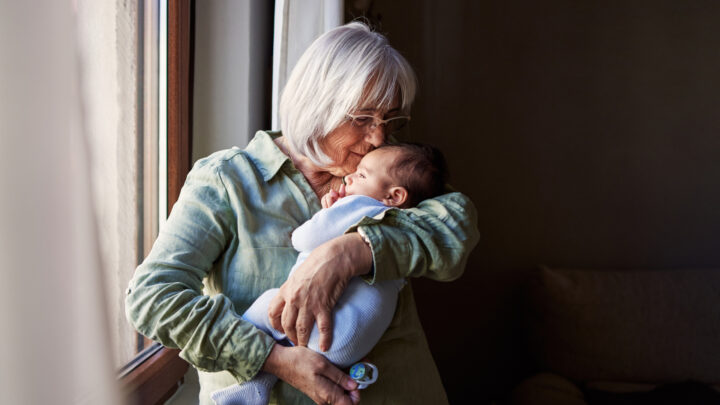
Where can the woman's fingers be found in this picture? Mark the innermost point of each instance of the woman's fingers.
(275, 311)
(312, 374)
(303, 326)
(314, 287)
(289, 319)
(354, 396)
(305, 323)
(325, 327)
(342, 388)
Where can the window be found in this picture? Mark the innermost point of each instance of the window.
(138, 52)
(119, 43)
(154, 374)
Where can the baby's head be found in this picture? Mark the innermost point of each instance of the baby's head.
(399, 175)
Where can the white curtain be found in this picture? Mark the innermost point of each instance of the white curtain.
(54, 340)
(297, 24)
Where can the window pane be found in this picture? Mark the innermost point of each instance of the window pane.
(122, 140)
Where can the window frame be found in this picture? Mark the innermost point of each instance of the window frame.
(157, 372)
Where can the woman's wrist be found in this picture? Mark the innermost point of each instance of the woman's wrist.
(366, 241)
(357, 253)
(274, 361)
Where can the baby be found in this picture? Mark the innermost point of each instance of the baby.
(392, 176)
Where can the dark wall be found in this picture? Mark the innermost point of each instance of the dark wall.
(586, 133)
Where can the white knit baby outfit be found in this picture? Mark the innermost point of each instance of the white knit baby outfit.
(360, 317)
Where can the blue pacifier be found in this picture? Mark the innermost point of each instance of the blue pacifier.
(364, 374)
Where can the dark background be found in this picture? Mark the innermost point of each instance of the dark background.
(587, 133)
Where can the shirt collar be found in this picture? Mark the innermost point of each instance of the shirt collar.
(268, 158)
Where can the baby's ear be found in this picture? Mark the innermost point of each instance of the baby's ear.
(396, 197)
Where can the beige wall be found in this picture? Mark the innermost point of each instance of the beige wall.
(233, 48)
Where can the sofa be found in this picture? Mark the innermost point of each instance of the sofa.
(622, 337)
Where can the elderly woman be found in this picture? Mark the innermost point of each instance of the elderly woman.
(231, 230)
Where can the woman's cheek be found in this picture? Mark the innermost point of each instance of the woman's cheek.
(352, 163)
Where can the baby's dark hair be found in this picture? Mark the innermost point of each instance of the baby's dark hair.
(421, 169)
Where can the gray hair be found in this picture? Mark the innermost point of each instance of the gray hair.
(347, 67)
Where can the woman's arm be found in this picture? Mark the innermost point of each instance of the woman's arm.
(165, 300)
(432, 240)
(311, 291)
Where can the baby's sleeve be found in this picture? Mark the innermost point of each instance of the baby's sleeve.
(329, 223)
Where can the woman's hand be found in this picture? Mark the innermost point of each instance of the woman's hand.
(310, 293)
(312, 374)
(331, 197)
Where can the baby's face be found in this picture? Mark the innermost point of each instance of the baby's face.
(372, 177)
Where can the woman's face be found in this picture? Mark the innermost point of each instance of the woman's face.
(347, 144)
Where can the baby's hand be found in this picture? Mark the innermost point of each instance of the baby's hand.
(330, 198)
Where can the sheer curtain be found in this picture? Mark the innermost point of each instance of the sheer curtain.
(54, 340)
(297, 24)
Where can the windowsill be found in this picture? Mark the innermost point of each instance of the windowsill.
(156, 379)
(188, 393)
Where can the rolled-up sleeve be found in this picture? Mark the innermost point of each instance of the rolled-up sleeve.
(431, 240)
(165, 300)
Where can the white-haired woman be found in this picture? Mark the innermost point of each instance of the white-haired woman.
(231, 230)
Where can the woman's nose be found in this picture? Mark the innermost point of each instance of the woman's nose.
(376, 135)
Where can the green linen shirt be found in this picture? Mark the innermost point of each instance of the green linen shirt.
(227, 240)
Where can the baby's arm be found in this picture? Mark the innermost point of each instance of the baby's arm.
(329, 223)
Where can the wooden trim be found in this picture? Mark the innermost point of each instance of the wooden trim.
(179, 83)
(157, 378)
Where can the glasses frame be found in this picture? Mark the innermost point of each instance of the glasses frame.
(376, 121)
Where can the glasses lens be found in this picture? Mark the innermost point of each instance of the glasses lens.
(362, 120)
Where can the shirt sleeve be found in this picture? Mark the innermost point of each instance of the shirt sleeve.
(165, 300)
(432, 240)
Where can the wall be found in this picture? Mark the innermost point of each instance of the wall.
(233, 43)
(586, 133)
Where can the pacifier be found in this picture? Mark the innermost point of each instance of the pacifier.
(364, 374)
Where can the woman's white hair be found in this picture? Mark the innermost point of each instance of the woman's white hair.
(346, 68)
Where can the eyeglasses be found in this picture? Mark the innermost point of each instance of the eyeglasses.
(368, 122)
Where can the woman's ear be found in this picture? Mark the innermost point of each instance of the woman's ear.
(396, 197)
